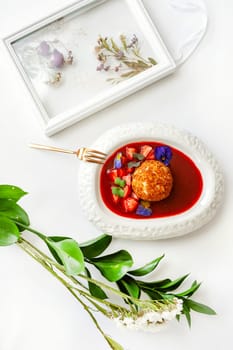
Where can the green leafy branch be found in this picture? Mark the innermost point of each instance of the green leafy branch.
(68, 263)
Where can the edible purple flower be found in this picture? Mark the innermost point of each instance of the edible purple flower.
(163, 154)
(141, 210)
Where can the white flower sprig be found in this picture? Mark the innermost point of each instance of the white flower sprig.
(151, 318)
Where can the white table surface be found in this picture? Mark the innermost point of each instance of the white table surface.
(38, 313)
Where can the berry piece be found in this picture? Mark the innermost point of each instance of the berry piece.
(127, 191)
(130, 152)
(112, 174)
(151, 155)
(115, 198)
(121, 172)
(123, 160)
(145, 150)
(133, 195)
(129, 204)
(128, 179)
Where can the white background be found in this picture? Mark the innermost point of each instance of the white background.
(37, 312)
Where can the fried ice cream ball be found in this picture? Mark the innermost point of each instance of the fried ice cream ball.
(152, 181)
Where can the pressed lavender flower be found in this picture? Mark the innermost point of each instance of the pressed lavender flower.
(119, 55)
(133, 42)
(100, 67)
(110, 52)
(163, 154)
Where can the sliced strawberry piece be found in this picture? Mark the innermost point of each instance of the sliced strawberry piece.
(130, 152)
(115, 199)
(129, 170)
(129, 204)
(112, 174)
(145, 150)
(120, 172)
(127, 179)
(127, 191)
(151, 155)
(133, 195)
(123, 160)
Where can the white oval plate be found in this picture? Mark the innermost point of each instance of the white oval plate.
(155, 228)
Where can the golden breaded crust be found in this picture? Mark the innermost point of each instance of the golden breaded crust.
(152, 181)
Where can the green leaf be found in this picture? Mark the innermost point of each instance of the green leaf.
(13, 211)
(113, 266)
(155, 284)
(144, 270)
(119, 182)
(189, 292)
(9, 232)
(138, 156)
(204, 309)
(117, 191)
(95, 290)
(11, 192)
(68, 251)
(173, 284)
(129, 286)
(54, 254)
(113, 344)
(133, 164)
(152, 60)
(96, 246)
(186, 312)
(153, 294)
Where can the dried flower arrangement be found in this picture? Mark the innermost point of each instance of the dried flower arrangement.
(124, 58)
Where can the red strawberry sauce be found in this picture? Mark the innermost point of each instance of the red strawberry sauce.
(187, 184)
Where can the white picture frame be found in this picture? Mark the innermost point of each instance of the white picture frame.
(54, 119)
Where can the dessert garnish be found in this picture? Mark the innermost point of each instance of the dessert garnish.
(149, 180)
(138, 178)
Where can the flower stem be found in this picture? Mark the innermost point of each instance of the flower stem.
(41, 257)
(30, 249)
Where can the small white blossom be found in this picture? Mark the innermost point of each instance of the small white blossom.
(151, 320)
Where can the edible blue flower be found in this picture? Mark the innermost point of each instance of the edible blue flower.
(163, 154)
(143, 211)
(117, 161)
